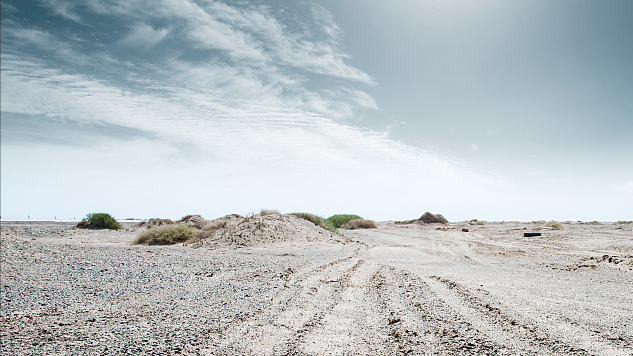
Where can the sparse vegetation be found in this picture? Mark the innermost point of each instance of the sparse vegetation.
(209, 228)
(99, 221)
(405, 222)
(268, 211)
(165, 235)
(338, 220)
(359, 224)
(316, 220)
(476, 222)
(554, 224)
(624, 222)
(154, 222)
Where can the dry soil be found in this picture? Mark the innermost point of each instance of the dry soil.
(400, 289)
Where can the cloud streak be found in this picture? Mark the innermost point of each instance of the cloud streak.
(225, 88)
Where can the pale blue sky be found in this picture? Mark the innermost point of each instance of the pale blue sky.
(496, 110)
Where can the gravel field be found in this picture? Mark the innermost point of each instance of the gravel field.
(399, 289)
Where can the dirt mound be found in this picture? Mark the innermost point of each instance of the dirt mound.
(196, 221)
(428, 218)
(261, 229)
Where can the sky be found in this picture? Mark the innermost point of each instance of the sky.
(494, 110)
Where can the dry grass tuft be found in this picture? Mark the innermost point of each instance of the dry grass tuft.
(209, 229)
(165, 235)
(359, 224)
(155, 222)
(554, 224)
(316, 220)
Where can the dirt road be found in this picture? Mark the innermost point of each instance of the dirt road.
(396, 290)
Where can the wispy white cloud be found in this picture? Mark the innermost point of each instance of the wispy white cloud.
(278, 129)
(144, 36)
(247, 33)
(251, 108)
(63, 8)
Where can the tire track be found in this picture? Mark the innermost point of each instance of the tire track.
(520, 334)
(297, 309)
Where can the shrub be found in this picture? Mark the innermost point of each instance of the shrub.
(359, 224)
(268, 212)
(406, 222)
(429, 218)
(316, 220)
(476, 222)
(554, 224)
(340, 219)
(164, 235)
(99, 221)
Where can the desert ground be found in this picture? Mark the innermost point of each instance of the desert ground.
(415, 289)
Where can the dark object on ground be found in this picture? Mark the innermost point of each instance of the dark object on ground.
(464, 229)
(429, 218)
(530, 234)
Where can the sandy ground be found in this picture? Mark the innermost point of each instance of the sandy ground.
(400, 289)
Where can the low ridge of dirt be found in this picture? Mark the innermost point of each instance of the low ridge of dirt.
(263, 229)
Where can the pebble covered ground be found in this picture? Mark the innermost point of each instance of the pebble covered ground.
(397, 290)
(78, 292)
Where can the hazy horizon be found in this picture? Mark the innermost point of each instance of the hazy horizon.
(495, 110)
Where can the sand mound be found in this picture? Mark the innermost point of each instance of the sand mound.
(261, 229)
(196, 221)
(428, 218)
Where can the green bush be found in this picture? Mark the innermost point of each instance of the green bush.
(165, 235)
(340, 219)
(316, 220)
(99, 221)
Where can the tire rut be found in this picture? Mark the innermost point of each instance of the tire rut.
(297, 309)
(525, 335)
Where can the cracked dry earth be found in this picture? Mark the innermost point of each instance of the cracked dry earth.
(396, 290)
